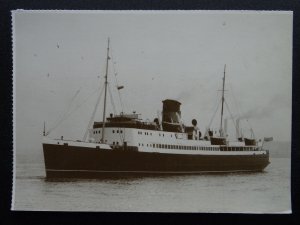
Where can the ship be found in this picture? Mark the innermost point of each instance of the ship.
(124, 145)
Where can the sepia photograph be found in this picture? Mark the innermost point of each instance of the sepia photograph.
(152, 111)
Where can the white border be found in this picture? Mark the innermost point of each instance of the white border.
(155, 11)
(14, 108)
(165, 12)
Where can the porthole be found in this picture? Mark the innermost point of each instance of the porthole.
(113, 131)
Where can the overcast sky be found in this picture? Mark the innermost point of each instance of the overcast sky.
(60, 56)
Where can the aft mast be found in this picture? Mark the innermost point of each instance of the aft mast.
(223, 99)
(105, 92)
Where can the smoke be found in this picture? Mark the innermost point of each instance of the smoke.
(188, 94)
(276, 103)
(184, 96)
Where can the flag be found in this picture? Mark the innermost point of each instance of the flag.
(266, 139)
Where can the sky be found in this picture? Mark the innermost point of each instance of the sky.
(59, 68)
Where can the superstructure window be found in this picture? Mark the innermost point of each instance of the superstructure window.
(113, 131)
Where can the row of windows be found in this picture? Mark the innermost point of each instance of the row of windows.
(239, 149)
(98, 131)
(165, 146)
(139, 132)
(117, 131)
(149, 133)
(146, 133)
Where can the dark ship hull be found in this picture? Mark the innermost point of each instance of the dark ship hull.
(63, 161)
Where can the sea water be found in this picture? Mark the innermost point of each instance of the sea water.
(261, 192)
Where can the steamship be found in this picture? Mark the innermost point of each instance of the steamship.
(124, 144)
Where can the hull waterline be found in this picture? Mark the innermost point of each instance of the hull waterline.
(79, 162)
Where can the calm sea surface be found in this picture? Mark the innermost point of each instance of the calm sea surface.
(267, 191)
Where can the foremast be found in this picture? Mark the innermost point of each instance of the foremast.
(223, 99)
(105, 93)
